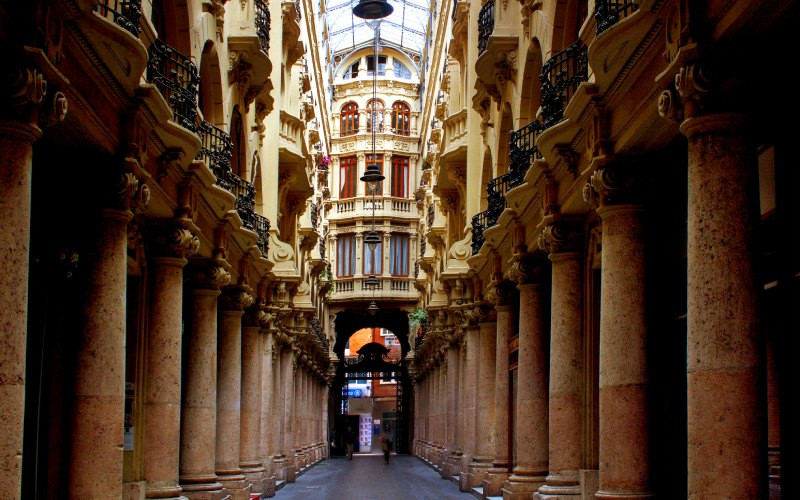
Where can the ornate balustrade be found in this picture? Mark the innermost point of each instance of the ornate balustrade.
(125, 13)
(262, 230)
(522, 148)
(298, 15)
(497, 189)
(479, 224)
(609, 12)
(323, 247)
(560, 77)
(431, 215)
(314, 216)
(262, 23)
(176, 77)
(216, 149)
(485, 25)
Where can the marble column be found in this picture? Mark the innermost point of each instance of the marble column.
(16, 163)
(498, 474)
(251, 459)
(288, 405)
(484, 389)
(278, 397)
(624, 437)
(162, 385)
(95, 467)
(531, 430)
(453, 374)
(566, 375)
(267, 429)
(726, 374)
(472, 346)
(199, 411)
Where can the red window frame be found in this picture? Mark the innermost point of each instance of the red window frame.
(375, 113)
(345, 255)
(377, 264)
(349, 119)
(400, 171)
(379, 185)
(348, 170)
(401, 118)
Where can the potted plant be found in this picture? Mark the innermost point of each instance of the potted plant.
(416, 317)
(324, 162)
(426, 165)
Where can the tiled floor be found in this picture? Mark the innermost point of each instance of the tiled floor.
(366, 477)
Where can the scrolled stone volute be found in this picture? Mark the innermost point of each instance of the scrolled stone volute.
(213, 277)
(501, 292)
(560, 236)
(527, 269)
(175, 240)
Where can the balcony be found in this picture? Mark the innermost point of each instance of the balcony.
(609, 12)
(125, 13)
(262, 24)
(479, 224)
(560, 77)
(388, 288)
(385, 207)
(522, 149)
(175, 76)
(485, 25)
(215, 152)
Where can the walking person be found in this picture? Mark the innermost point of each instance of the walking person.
(386, 444)
(349, 438)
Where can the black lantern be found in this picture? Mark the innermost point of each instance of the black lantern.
(373, 308)
(372, 173)
(372, 238)
(371, 282)
(372, 9)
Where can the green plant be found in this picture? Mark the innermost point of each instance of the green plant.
(426, 165)
(416, 317)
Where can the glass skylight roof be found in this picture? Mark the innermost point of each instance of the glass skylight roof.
(405, 27)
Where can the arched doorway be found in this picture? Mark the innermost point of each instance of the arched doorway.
(371, 390)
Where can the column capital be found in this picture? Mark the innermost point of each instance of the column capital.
(125, 191)
(236, 299)
(612, 184)
(174, 240)
(559, 236)
(501, 292)
(527, 269)
(212, 276)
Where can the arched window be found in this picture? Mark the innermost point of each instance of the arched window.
(349, 119)
(375, 115)
(401, 118)
(400, 70)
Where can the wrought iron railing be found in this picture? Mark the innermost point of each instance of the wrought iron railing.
(431, 215)
(560, 77)
(423, 245)
(314, 216)
(607, 13)
(175, 76)
(125, 13)
(496, 199)
(323, 242)
(479, 224)
(455, 10)
(297, 13)
(416, 269)
(485, 25)
(262, 230)
(262, 23)
(216, 149)
(522, 148)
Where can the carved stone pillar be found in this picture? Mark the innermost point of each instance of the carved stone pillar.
(531, 429)
(288, 404)
(566, 362)
(162, 398)
(97, 424)
(251, 459)
(726, 389)
(472, 350)
(484, 421)
(269, 431)
(199, 411)
(501, 293)
(624, 437)
(17, 135)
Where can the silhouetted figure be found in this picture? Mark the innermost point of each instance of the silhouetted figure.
(386, 444)
(349, 439)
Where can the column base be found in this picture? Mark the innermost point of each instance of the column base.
(623, 495)
(235, 485)
(523, 483)
(162, 491)
(476, 473)
(560, 487)
(255, 476)
(202, 488)
(494, 481)
(279, 470)
(291, 468)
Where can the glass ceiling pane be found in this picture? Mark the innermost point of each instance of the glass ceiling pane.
(406, 26)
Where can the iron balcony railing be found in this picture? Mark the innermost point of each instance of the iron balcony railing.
(262, 230)
(522, 148)
(431, 215)
(262, 24)
(125, 13)
(314, 216)
(609, 12)
(479, 224)
(297, 13)
(216, 149)
(423, 246)
(322, 247)
(560, 77)
(175, 76)
(496, 199)
(485, 25)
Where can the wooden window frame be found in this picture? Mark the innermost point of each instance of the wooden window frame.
(401, 169)
(401, 118)
(348, 119)
(348, 169)
(351, 238)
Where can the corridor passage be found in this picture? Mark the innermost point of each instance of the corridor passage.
(366, 477)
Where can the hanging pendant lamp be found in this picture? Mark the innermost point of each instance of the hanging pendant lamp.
(372, 238)
(372, 9)
(372, 173)
(371, 282)
(373, 308)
